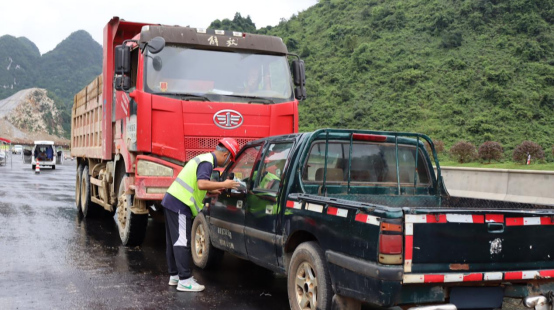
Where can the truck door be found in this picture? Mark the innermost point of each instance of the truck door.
(227, 213)
(263, 210)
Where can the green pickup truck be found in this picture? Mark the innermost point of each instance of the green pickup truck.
(354, 217)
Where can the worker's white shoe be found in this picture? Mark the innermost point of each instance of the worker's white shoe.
(173, 280)
(189, 285)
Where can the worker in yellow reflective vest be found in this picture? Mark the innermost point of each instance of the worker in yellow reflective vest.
(183, 201)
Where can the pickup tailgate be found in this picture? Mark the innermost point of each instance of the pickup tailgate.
(475, 245)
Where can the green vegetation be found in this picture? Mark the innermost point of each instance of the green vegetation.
(500, 165)
(237, 24)
(474, 70)
(63, 71)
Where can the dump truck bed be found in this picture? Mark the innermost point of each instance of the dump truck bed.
(86, 118)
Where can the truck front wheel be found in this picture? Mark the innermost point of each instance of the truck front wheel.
(308, 280)
(204, 254)
(131, 226)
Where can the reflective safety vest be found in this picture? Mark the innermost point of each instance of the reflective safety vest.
(266, 179)
(185, 186)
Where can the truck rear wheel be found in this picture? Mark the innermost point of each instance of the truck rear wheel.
(87, 206)
(132, 227)
(204, 254)
(78, 187)
(308, 280)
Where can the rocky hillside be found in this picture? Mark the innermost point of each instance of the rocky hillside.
(62, 72)
(31, 115)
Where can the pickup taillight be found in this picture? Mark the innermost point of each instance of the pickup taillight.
(391, 242)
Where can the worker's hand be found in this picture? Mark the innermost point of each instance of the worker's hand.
(215, 191)
(230, 184)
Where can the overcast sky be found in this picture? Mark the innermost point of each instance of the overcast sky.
(48, 22)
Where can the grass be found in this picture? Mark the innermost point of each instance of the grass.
(499, 165)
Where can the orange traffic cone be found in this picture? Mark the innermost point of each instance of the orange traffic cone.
(37, 168)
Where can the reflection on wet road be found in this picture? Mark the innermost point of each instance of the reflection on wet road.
(50, 258)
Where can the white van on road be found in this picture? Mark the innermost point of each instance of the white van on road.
(45, 153)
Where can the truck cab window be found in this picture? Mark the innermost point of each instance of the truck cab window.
(134, 68)
(218, 75)
(272, 167)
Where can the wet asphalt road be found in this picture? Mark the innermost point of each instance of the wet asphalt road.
(51, 258)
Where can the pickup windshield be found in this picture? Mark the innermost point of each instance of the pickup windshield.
(219, 75)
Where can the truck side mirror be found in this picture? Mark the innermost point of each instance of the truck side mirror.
(156, 45)
(122, 82)
(122, 60)
(299, 79)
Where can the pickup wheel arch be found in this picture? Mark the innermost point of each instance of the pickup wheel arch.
(293, 241)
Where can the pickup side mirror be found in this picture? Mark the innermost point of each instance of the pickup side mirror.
(299, 79)
(215, 175)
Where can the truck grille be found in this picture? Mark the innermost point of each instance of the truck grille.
(197, 146)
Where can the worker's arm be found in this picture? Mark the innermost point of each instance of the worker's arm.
(207, 185)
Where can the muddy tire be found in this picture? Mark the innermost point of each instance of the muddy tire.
(78, 187)
(88, 208)
(131, 227)
(308, 280)
(204, 254)
(54, 167)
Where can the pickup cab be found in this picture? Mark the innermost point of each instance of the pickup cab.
(354, 217)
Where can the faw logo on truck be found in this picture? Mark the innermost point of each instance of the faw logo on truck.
(228, 119)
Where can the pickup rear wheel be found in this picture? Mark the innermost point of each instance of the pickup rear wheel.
(78, 187)
(131, 226)
(204, 254)
(308, 280)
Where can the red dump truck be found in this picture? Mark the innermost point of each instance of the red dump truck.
(165, 95)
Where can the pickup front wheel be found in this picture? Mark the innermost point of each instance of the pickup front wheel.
(204, 254)
(308, 280)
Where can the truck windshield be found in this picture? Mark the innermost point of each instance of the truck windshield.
(218, 75)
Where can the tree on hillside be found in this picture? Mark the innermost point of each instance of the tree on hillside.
(238, 23)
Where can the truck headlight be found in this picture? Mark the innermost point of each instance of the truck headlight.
(148, 168)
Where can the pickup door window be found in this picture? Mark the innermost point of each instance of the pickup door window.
(263, 205)
(227, 213)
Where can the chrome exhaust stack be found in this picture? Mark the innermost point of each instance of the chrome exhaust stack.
(538, 302)
(436, 307)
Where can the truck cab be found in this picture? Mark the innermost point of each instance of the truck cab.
(44, 153)
(166, 95)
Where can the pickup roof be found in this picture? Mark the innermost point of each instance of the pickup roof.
(357, 216)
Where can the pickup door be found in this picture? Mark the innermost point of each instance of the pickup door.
(263, 203)
(227, 213)
(507, 243)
